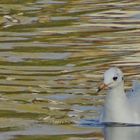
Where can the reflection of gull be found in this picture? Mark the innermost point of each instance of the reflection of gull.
(122, 133)
(119, 107)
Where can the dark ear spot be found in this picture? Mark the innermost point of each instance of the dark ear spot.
(122, 78)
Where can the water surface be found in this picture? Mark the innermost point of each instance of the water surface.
(52, 57)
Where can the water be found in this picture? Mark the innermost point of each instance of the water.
(52, 57)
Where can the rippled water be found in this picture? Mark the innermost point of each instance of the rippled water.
(52, 57)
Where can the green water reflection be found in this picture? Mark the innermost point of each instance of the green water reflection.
(52, 57)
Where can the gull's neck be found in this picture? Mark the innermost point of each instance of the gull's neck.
(116, 105)
(117, 91)
(116, 97)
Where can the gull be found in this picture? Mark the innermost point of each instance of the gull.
(120, 107)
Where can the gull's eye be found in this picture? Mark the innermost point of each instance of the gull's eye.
(115, 78)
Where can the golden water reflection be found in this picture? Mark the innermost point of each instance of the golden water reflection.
(53, 55)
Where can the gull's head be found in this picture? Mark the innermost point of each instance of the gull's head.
(113, 77)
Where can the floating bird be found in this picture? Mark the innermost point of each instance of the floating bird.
(120, 107)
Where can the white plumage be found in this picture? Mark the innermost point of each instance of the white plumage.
(120, 107)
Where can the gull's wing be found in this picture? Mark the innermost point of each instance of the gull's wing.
(135, 91)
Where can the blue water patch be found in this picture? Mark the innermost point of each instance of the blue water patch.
(84, 108)
(61, 96)
(91, 123)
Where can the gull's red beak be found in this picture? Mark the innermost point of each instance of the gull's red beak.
(101, 87)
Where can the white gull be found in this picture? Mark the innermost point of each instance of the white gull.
(120, 107)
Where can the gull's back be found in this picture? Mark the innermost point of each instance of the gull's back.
(134, 98)
(135, 91)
